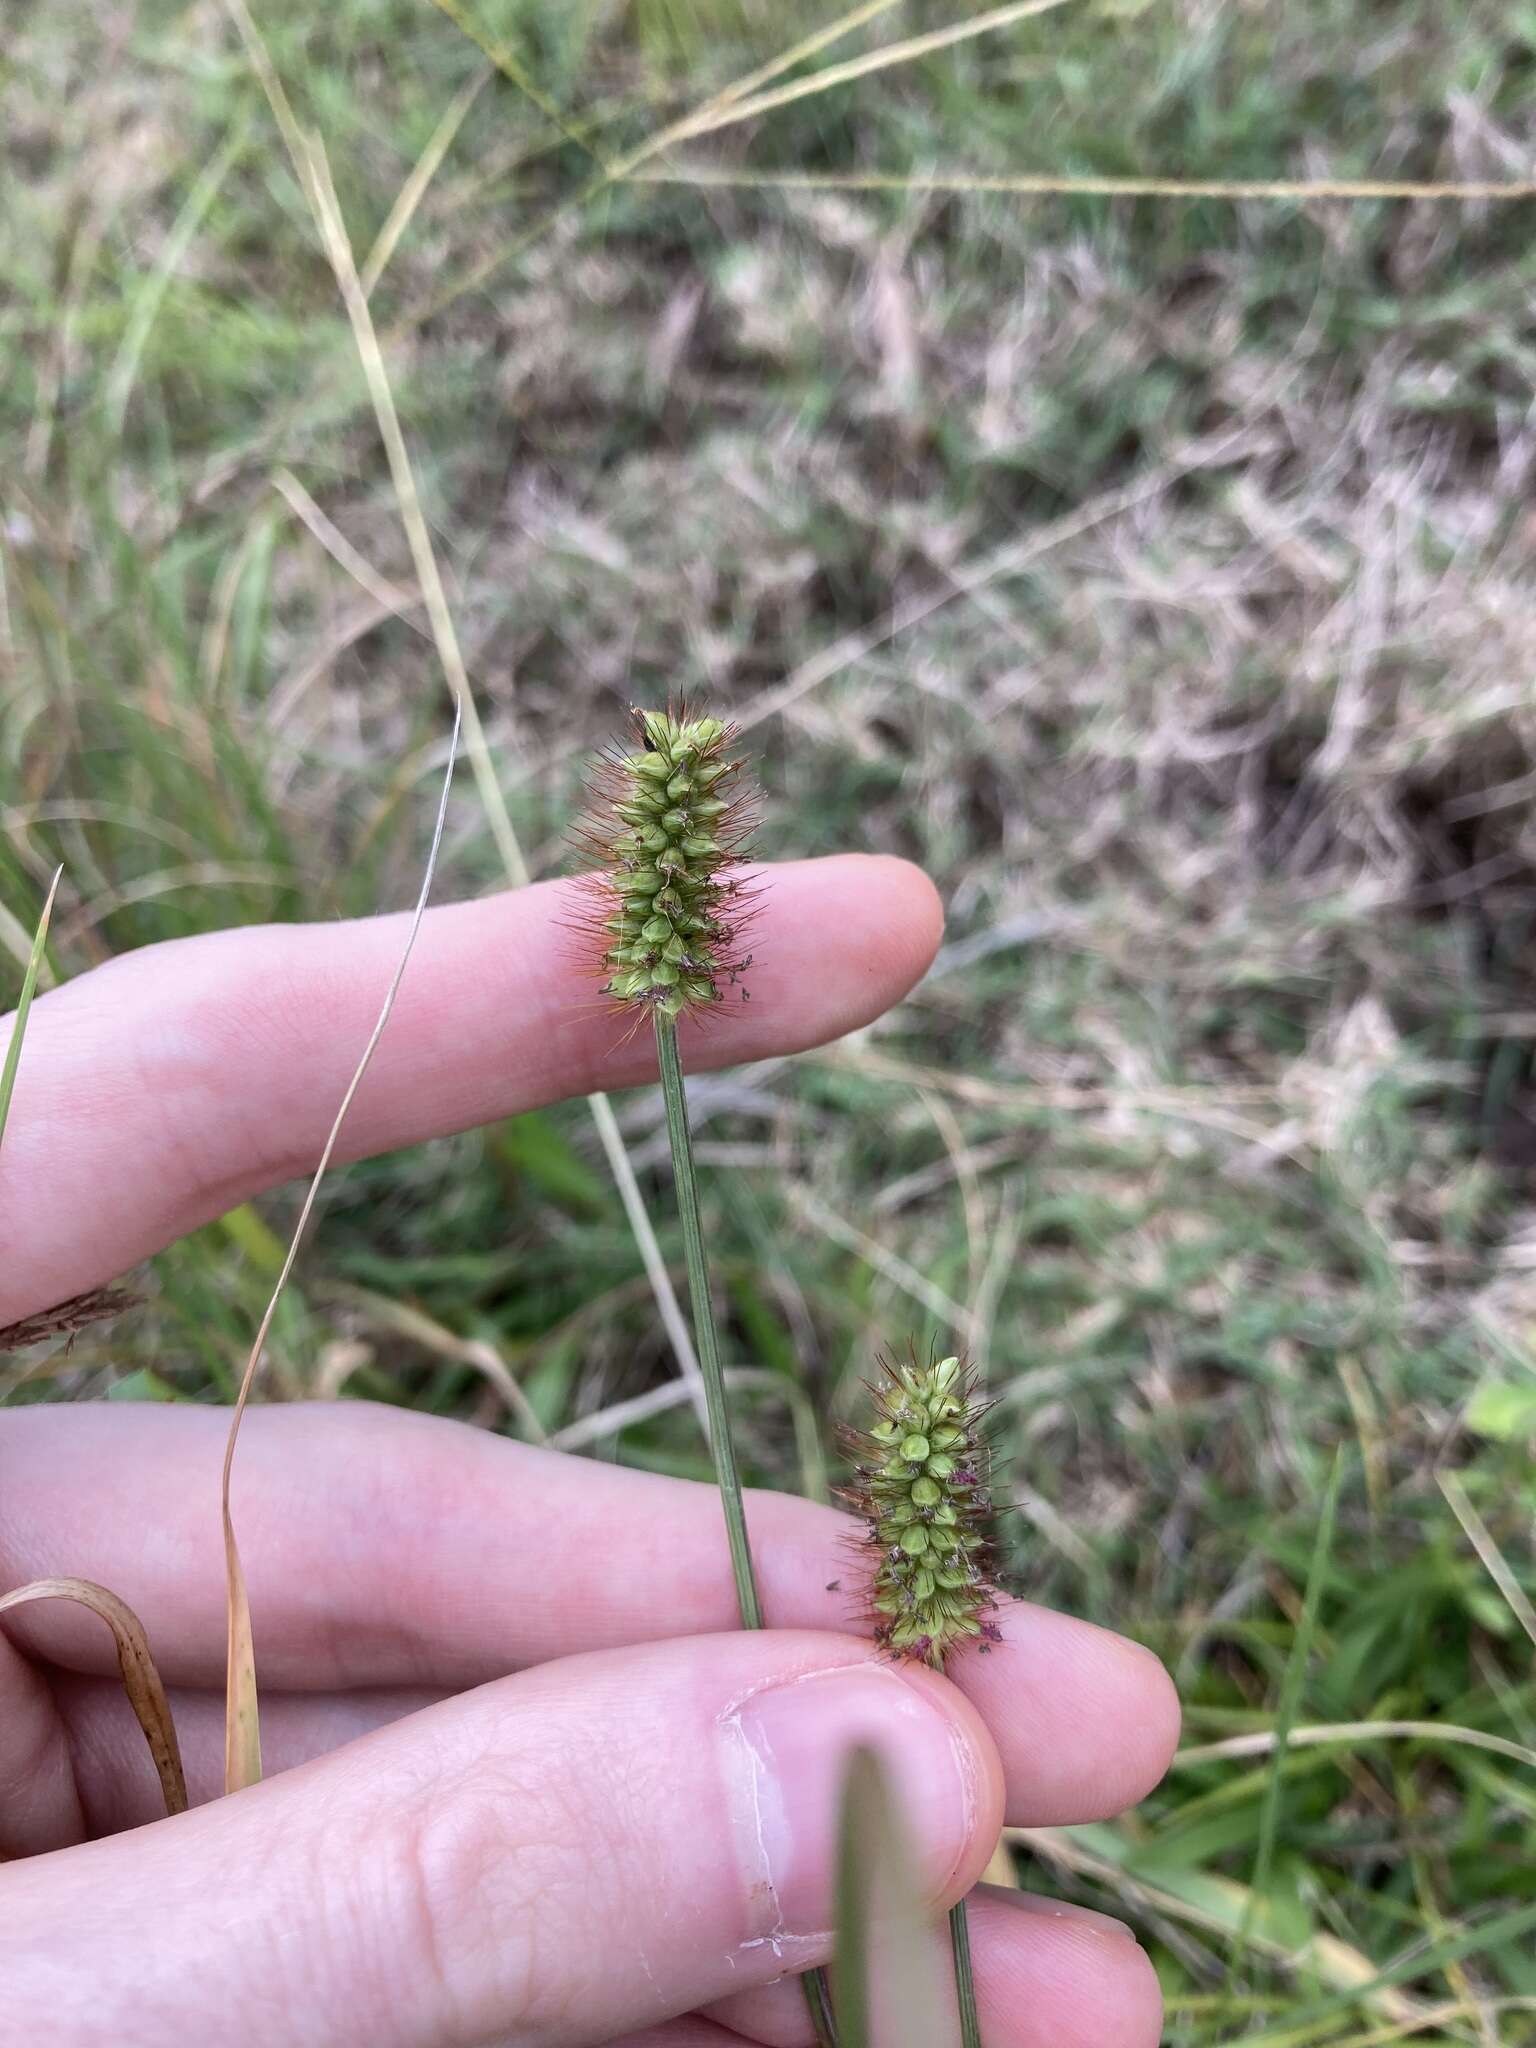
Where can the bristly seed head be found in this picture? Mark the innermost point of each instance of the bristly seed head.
(922, 1471)
(666, 820)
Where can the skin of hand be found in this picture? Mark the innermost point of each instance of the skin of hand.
(528, 1785)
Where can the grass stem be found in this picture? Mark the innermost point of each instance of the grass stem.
(965, 1978)
(705, 1337)
(706, 1341)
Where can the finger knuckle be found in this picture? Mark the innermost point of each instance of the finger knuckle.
(490, 1873)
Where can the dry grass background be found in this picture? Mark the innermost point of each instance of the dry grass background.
(1158, 573)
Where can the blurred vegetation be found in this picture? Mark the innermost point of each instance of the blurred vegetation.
(1190, 544)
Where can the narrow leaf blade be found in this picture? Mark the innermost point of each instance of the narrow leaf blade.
(1292, 1687)
(24, 1003)
(242, 1715)
(141, 1681)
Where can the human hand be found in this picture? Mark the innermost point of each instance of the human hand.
(629, 1838)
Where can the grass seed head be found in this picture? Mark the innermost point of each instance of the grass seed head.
(668, 818)
(922, 1489)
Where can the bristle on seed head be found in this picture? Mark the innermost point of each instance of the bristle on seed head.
(668, 817)
(922, 1479)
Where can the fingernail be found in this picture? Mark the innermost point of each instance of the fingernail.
(1057, 1909)
(787, 1750)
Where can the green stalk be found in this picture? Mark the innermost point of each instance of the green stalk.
(705, 1337)
(707, 1343)
(960, 1949)
(818, 1999)
(965, 1980)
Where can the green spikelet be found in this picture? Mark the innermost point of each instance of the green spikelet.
(923, 1472)
(665, 820)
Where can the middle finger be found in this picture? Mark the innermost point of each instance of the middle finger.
(388, 1548)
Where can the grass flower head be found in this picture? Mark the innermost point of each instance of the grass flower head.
(922, 1488)
(668, 818)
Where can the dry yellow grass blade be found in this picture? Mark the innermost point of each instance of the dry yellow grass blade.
(725, 110)
(271, 84)
(1261, 1741)
(603, 1422)
(414, 189)
(1435, 2016)
(901, 1275)
(809, 46)
(709, 118)
(1031, 185)
(314, 178)
(386, 600)
(420, 1328)
(242, 1741)
(582, 134)
(242, 1709)
(1367, 1421)
(388, 596)
(1226, 1906)
(141, 1681)
(516, 74)
(365, 336)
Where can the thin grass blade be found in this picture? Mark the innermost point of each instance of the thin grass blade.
(242, 1710)
(413, 191)
(24, 1002)
(242, 1739)
(310, 168)
(1480, 1536)
(965, 1975)
(1261, 1741)
(1304, 2023)
(706, 1337)
(907, 51)
(810, 46)
(1206, 1900)
(1049, 185)
(1292, 1684)
(141, 1681)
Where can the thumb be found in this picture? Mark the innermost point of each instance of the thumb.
(556, 1858)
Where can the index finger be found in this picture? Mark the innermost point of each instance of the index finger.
(161, 1089)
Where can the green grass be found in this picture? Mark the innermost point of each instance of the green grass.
(1227, 1106)
(23, 1006)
